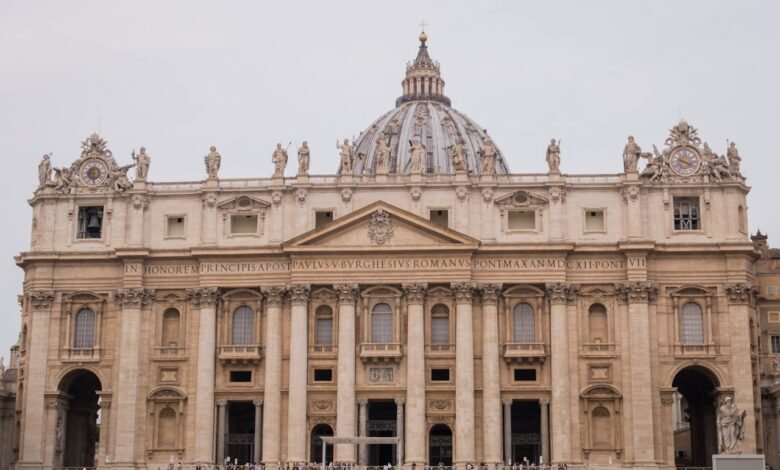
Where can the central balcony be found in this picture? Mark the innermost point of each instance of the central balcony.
(525, 352)
(380, 352)
(241, 354)
(81, 355)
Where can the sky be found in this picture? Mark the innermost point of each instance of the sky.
(181, 75)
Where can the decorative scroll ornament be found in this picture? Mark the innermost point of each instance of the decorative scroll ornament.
(41, 299)
(299, 293)
(415, 292)
(741, 293)
(380, 227)
(134, 297)
(203, 296)
(490, 293)
(635, 292)
(561, 293)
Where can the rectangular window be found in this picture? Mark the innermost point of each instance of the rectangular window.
(174, 227)
(440, 330)
(594, 221)
(525, 375)
(686, 213)
(243, 224)
(521, 220)
(323, 375)
(440, 375)
(241, 376)
(440, 217)
(322, 218)
(775, 344)
(324, 332)
(90, 222)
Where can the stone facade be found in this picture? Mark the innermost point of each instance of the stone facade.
(480, 316)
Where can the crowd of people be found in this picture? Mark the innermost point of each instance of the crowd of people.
(234, 465)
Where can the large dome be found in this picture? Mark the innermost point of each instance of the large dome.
(423, 112)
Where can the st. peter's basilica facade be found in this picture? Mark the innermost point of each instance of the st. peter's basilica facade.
(424, 292)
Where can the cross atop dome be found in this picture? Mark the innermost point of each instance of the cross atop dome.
(423, 80)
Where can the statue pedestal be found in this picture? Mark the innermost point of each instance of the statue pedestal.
(381, 178)
(139, 185)
(554, 176)
(211, 183)
(487, 178)
(737, 462)
(303, 178)
(632, 176)
(461, 175)
(345, 178)
(415, 178)
(277, 180)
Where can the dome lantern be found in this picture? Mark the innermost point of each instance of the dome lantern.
(423, 78)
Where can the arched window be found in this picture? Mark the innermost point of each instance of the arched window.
(601, 427)
(166, 429)
(243, 325)
(84, 336)
(523, 324)
(741, 219)
(691, 324)
(324, 327)
(440, 324)
(170, 328)
(597, 324)
(382, 324)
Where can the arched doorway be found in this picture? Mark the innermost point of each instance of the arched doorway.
(316, 444)
(695, 432)
(81, 422)
(440, 445)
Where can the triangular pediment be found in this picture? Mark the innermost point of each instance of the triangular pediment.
(380, 226)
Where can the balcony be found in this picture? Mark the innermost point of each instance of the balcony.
(241, 353)
(440, 350)
(599, 350)
(323, 350)
(81, 355)
(525, 352)
(171, 353)
(695, 350)
(380, 352)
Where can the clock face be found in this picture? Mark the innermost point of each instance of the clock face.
(93, 172)
(685, 161)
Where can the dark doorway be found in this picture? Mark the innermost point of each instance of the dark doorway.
(81, 424)
(316, 444)
(526, 431)
(440, 445)
(694, 446)
(381, 423)
(240, 439)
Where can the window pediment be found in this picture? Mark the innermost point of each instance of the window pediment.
(243, 204)
(602, 391)
(521, 200)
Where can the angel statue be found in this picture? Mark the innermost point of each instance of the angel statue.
(118, 178)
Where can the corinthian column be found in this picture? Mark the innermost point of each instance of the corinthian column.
(272, 396)
(415, 374)
(205, 299)
(559, 370)
(130, 302)
(345, 389)
(638, 294)
(491, 393)
(464, 374)
(299, 350)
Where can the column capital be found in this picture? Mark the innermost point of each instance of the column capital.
(490, 293)
(400, 401)
(463, 291)
(544, 401)
(40, 299)
(741, 293)
(134, 297)
(203, 296)
(299, 293)
(274, 295)
(221, 403)
(507, 401)
(346, 292)
(561, 293)
(363, 402)
(636, 292)
(257, 403)
(415, 292)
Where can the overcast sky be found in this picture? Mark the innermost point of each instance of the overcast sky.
(179, 76)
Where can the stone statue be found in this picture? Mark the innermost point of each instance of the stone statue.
(417, 161)
(631, 153)
(213, 161)
(62, 179)
(655, 166)
(2, 368)
(489, 154)
(303, 159)
(734, 159)
(44, 171)
(279, 159)
(346, 155)
(717, 167)
(382, 155)
(118, 178)
(554, 156)
(457, 154)
(142, 162)
(731, 428)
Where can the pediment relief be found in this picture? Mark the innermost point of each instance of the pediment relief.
(82, 297)
(323, 293)
(691, 291)
(242, 294)
(166, 394)
(521, 200)
(523, 291)
(381, 291)
(601, 391)
(171, 297)
(243, 204)
(380, 225)
(597, 291)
